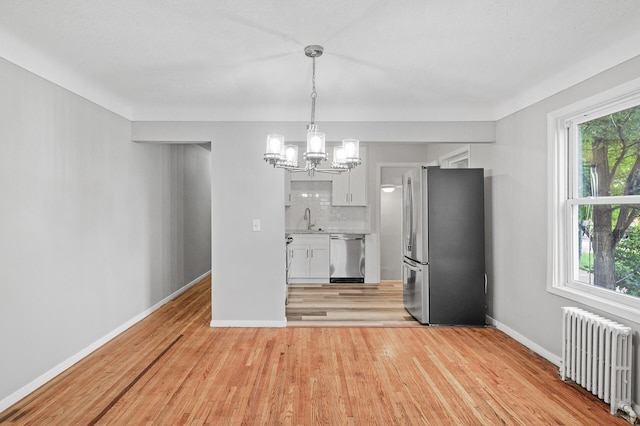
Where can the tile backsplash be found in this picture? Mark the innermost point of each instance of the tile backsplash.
(316, 195)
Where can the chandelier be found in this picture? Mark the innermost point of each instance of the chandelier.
(345, 156)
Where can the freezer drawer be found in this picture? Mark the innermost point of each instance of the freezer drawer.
(346, 255)
(415, 289)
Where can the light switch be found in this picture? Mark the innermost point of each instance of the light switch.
(256, 225)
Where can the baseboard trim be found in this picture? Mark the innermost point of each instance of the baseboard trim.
(523, 340)
(44, 378)
(250, 324)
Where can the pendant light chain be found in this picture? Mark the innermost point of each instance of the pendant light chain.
(314, 95)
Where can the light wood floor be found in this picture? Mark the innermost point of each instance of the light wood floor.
(348, 305)
(172, 368)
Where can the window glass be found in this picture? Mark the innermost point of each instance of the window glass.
(608, 255)
(609, 150)
(608, 246)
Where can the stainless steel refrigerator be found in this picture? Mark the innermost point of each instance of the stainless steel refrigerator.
(443, 268)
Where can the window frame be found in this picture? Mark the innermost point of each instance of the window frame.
(448, 161)
(562, 156)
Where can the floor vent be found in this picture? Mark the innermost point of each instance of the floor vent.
(596, 354)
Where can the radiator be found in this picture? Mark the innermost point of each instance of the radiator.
(596, 354)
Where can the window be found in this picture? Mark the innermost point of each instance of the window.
(458, 159)
(595, 202)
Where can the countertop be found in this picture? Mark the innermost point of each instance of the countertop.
(327, 231)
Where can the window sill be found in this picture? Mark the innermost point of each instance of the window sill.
(600, 303)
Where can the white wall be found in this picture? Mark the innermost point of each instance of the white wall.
(91, 231)
(516, 170)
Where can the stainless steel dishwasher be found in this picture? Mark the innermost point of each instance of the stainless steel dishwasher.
(347, 258)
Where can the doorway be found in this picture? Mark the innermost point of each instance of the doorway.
(391, 222)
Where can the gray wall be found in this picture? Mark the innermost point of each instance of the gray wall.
(391, 235)
(391, 224)
(517, 175)
(197, 211)
(248, 283)
(91, 225)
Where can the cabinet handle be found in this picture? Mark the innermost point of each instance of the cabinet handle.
(307, 253)
(312, 253)
(347, 196)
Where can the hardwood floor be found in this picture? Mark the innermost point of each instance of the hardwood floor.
(348, 305)
(172, 368)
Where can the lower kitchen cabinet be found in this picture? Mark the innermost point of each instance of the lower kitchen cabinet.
(309, 258)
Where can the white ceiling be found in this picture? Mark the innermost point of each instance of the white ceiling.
(384, 60)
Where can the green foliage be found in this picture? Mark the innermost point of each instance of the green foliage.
(627, 264)
(618, 135)
(586, 262)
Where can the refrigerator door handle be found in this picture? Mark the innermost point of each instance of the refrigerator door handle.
(410, 192)
(412, 267)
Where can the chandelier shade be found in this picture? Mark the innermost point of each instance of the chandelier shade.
(345, 156)
(291, 155)
(275, 147)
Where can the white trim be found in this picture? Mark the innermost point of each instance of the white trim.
(590, 66)
(455, 156)
(44, 378)
(19, 53)
(248, 324)
(549, 356)
(559, 124)
(601, 303)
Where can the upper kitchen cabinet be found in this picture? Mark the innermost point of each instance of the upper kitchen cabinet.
(350, 188)
(310, 175)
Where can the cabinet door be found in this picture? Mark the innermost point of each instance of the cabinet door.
(358, 186)
(350, 188)
(298, 261)
(287, 188)
(340, 195)
(318, 262)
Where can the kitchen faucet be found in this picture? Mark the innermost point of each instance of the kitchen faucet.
(307, 217)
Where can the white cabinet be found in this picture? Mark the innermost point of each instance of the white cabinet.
(310, 175)
(287, 188)
(350, 188)
(309, 259)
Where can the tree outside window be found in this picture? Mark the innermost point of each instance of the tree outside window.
(608, 156)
